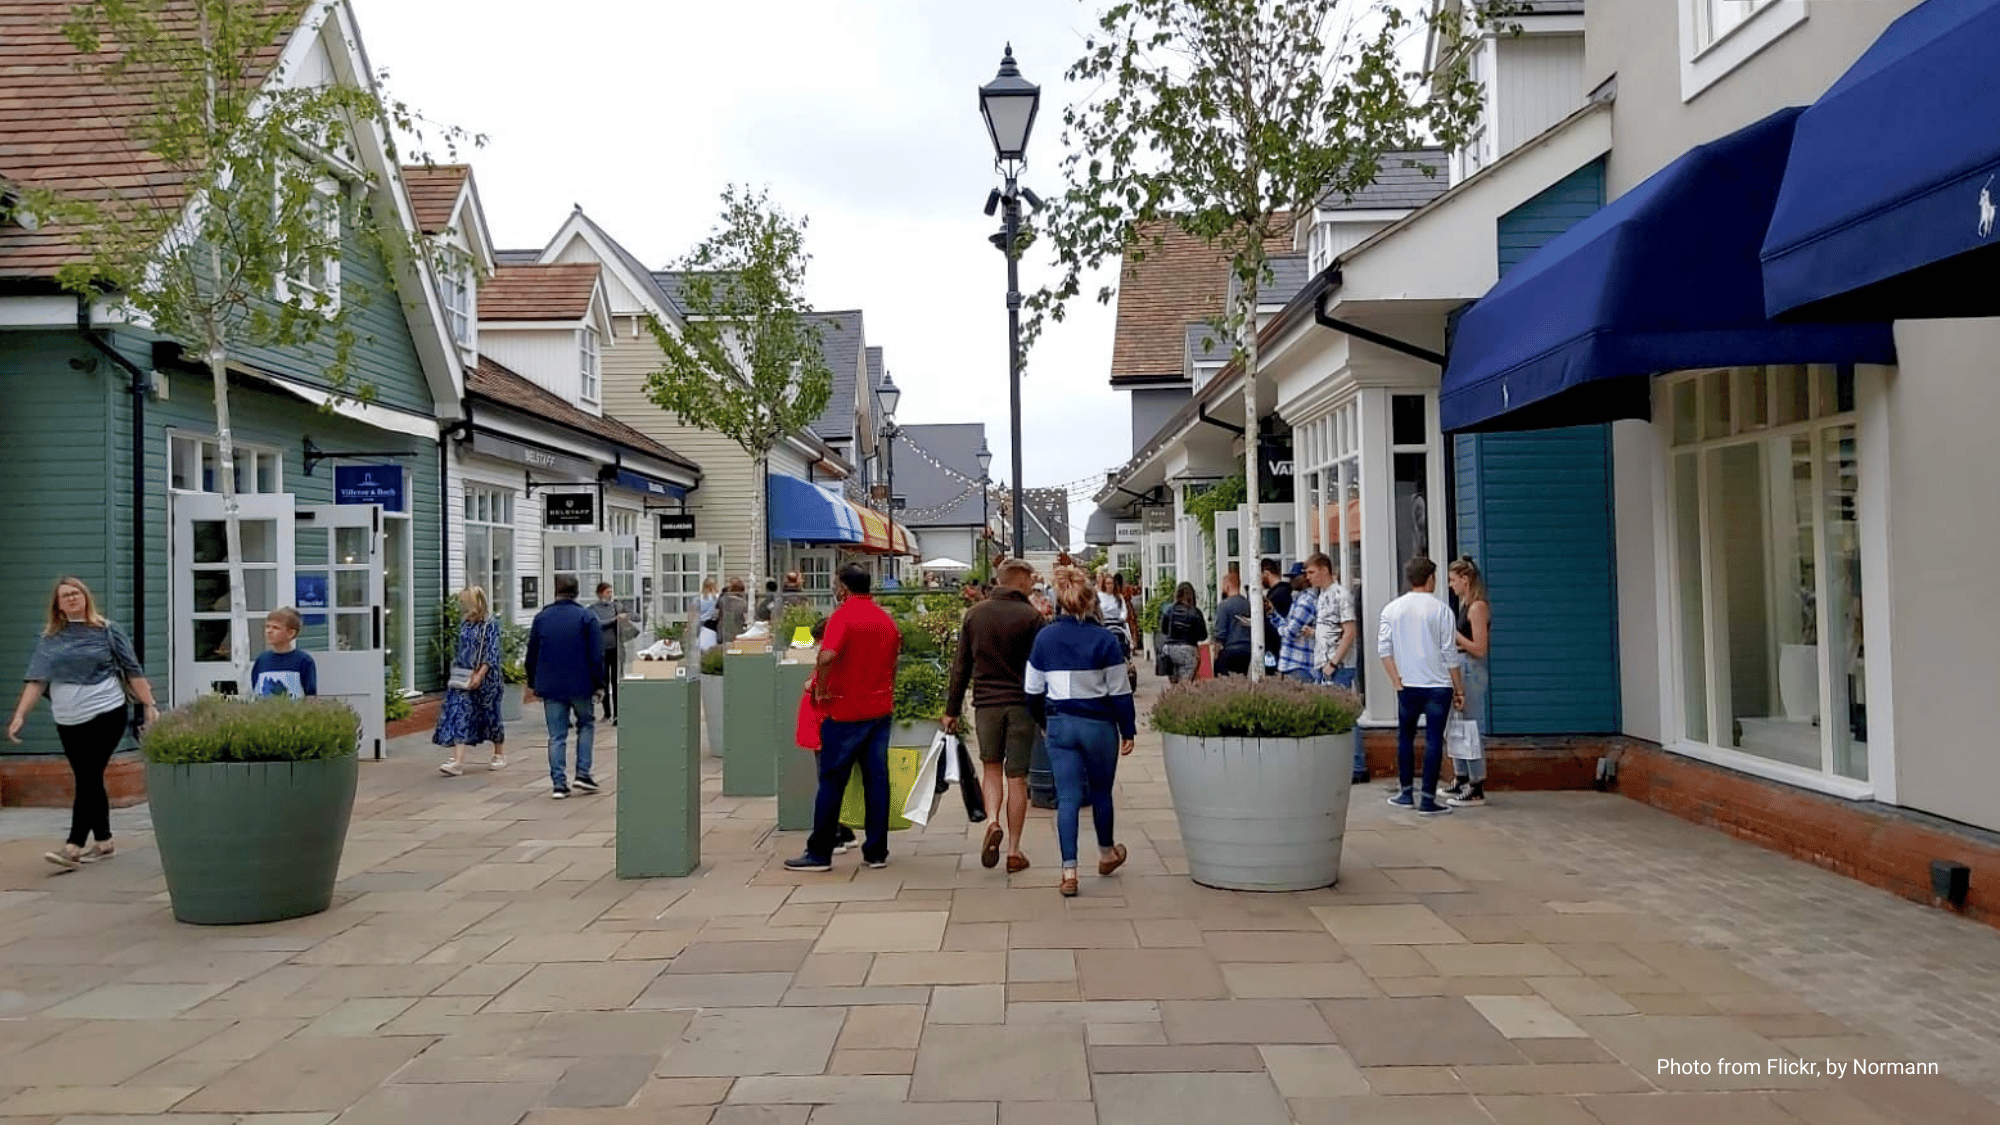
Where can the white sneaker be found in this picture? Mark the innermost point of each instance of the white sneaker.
(451, 769)
(558, 794)
(498, 763)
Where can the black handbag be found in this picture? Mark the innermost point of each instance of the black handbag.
(1162, 664)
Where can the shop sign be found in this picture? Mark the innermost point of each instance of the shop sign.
(535, 458)
(309, 593)
(569, 509)
(1274, 463)
(371, 484)
(676, 526)
(1128, 531)
(531, 591)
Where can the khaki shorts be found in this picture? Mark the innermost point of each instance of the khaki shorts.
(1006, 734)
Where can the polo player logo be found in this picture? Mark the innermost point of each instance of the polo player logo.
(1986, 208)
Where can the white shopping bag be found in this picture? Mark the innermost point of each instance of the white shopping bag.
(953, 775)
(923, 794)
(1461, 739)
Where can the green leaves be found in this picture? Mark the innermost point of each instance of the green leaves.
(1233, 707)
(920, 690)
(746, 361)
(216, 728)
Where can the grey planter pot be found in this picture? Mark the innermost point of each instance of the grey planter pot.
(511, 710)
(1261, 814)
(245, 842)
(711, 714)
(918, 733)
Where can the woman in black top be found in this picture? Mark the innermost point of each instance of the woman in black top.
(1181, 629)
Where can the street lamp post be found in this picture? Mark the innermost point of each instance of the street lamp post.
(890, 396)
(1009, 103)
(985, 458)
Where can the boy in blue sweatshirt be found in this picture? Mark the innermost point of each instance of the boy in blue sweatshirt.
(282, 669)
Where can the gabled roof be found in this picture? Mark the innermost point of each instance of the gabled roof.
(538, 292)
(434, 192)
(1047, 510)
(1289, 273)
(496, 383)
(517, 257)
(841, 342)
(67, 128)
(924, 486)
(644, 280)
(1406, 180)
(1179, 280)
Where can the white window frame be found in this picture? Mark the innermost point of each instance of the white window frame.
(1869, 396)
(249, 456)
(322, 292)
(588, 367)
(1707, 60)
(816, 569)
(499, 587)
(456, 278)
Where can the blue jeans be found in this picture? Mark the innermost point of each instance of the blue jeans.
(557, 712)
(1433, 705)
(1302, 675)
(1083, 754)
(842, 747)
(1344, 678)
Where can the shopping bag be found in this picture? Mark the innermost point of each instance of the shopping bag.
(1205, 666)
(806, 730)
(1163, 665)
(923, 792)
(1461, 739)
(904, 761)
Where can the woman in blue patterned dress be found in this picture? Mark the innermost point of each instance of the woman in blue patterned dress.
(472, 715)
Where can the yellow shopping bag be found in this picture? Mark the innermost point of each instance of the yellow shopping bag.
(904, 764)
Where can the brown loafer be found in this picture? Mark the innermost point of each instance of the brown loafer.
(989, 849)
(1117, 860)
(1067, 886)
(1016, 864)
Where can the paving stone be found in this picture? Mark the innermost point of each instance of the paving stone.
(1439, 1109)
(1643, 1041)
(1386, 925)
(1509, 960)
(874, 1061)
(603, 1081)
(433, 1066)
(939, 968)
(742, 957)
(302, 1075)
(821, 1089)
(896, 1027)
(760, 1115)
(909, 1113)
(1581, 996)
(75, 1101)
(135, 1001)
(605, 986)
(968, 1003)
(1047, 1113)
(1244, 1021)
(1400, 1080)
(1174, 1059)
(661, 1093)
(1536, 1109)
(363, 1017)
(1123, 1034)
(1091, 1012)
(583, 1035)
(1036, 991)
(992, 1063)
(1072, 935)
(467, 1103)
(754, 1041)
(1552, 1078)
(903, 932)
(715, 990)
(1259, 981)
(834, 970)
(1025, 965)
(101, 1053)
(1149, 974)
(727, 902)
(1167, 933)
(832, 997)
(1189, 1099)
(1433, 1031)
(1273, 946)
(1677, 1109)
(1525, 1017)
(1563, 1051)
(1312, 1071)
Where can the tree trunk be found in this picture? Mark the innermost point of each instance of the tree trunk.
(232, 524)
(760, 531)
(1251, 536)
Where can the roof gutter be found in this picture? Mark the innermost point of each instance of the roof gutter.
(139, 386)
(1350, 328)
(1201, 414)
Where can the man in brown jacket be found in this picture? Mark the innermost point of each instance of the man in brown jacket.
(993, 646)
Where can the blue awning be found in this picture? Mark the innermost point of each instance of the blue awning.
(806, 513)
(1664, 278)
(1887, 209)
(639, 482)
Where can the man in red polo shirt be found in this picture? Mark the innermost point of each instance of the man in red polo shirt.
(854, 686)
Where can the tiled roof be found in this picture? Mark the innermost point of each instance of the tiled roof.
(923, 486)
(1405, 181)
(71, 130)
(841, 341)
(1289, 274)
(1181, 279)
(874, 374)
(1208, 345)
(495, 383)
(552, 292)
(434, 190)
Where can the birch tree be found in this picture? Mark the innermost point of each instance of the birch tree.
(1227, 118)
(234, 238)
(745, 362)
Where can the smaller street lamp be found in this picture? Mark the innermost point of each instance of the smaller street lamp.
(985, 458)
(890, 396)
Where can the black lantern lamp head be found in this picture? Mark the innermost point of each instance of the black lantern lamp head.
(1009, 103)
(985, 458)
(890, 396)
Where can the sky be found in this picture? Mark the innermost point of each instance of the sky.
(860, 114)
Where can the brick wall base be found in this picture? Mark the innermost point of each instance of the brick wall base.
(423, 716)
(43, 781)
(1880, 845)
(1553, 762)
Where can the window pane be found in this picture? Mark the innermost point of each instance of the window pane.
(1715, 404)
(1847, 711)
(502, 545)
(1693, 642)
(1686, 411)
(478, 558)
(260, 540)
(1412, 512)
(1753, 399)
(211, 544)
(352, 546)
(1793, 393)
(1406, 419)
(260, 593)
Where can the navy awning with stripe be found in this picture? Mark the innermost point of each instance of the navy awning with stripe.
(806, 513)
(1664, 278)
(1888, 205)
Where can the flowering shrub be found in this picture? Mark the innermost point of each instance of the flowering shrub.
(1233, 707)
(920, 690)
(216, 728)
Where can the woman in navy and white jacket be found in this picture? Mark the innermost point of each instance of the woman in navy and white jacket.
(1076, 684)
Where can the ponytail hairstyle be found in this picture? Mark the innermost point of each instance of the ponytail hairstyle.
(1074, 594)
(1475, 585)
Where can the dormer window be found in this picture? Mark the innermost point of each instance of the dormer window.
(312, 276)
(459, 285)
(588, 368)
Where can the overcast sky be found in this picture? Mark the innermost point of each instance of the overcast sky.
(861, 114)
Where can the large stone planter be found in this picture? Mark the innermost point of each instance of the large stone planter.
(711, 714)
(918, 734)
(1261, 814)
(512, 710)
(248, 842)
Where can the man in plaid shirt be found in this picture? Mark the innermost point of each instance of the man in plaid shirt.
(1295, 634)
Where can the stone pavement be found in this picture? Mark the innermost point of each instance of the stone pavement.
(1532, 962)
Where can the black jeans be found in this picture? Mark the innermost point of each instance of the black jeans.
(842, 748)
(1233, 662)
(1433, 705)
(89, 745)
(610, 689)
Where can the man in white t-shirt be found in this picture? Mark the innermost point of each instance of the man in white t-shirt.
(1418, 644)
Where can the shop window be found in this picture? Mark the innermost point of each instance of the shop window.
(193, 464)
(1409, 434)
(623, 521)
(489, 542)
(816, 576)
(1767, 567)
(679, 581)
(1717, 36)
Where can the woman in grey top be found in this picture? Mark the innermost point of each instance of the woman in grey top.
(85, 665)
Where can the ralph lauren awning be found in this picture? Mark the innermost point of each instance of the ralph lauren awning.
(1887, 209)
(806, 513)
(1664, 278)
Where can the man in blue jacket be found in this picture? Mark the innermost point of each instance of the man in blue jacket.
(565, 667)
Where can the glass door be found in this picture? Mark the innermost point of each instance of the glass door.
(204, 656)
(340, 584)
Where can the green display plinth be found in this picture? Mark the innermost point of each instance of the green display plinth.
(751, 724)
(798, 770)
(659, 778)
